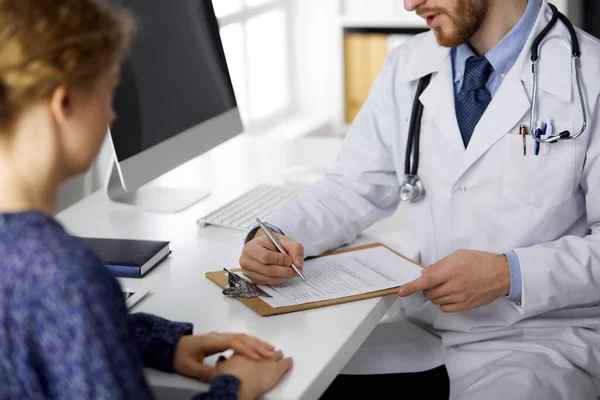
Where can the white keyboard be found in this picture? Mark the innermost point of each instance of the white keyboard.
(258, 202)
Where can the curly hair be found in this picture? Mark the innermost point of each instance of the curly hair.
(45, 44)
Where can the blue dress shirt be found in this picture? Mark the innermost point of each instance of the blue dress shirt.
(502, 57)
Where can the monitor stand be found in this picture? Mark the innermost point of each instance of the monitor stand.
(161, 199)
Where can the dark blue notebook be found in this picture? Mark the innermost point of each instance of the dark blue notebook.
(129, 258)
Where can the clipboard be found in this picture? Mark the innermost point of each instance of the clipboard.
(265, 310)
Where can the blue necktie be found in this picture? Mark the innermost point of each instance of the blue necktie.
(473, 98)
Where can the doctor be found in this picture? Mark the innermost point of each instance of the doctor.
(511, 235)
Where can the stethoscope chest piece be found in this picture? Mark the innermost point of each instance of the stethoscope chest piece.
(412, 189)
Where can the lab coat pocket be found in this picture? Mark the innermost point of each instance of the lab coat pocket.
(545, 180)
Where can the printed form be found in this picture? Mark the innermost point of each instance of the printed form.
(344, 275)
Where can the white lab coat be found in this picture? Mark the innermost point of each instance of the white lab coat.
(488, 197)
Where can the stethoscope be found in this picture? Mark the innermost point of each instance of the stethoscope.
(412, 189)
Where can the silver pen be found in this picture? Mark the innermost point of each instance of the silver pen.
(275, 241)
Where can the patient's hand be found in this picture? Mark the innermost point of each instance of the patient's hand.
(257, 377)
(191, 351)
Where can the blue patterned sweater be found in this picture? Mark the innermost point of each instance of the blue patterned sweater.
(64, 328)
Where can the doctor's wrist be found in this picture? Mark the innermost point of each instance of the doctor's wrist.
(504, 266)
(253, 234)
(258, 233)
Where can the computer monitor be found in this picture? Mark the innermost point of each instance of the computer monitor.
(175, 101)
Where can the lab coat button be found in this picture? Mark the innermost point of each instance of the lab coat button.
(463, 189)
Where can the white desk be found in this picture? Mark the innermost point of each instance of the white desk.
(320, 341)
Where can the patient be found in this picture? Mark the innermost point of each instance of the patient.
(64, 328)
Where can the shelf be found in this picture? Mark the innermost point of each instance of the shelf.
(375, 22)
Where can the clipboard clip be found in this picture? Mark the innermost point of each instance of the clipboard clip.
(240, 287)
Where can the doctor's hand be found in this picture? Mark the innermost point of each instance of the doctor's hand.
(463, 281)
(265, 265)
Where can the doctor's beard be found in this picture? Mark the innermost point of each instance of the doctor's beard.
(466, 19)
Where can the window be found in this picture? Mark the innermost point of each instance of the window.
(255, 38)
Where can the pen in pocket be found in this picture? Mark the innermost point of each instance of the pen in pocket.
(538, 134)
(547, 132)
(523, 133)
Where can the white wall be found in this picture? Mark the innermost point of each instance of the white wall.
(316, 58)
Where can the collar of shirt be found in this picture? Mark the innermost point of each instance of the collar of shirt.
(504, 54)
